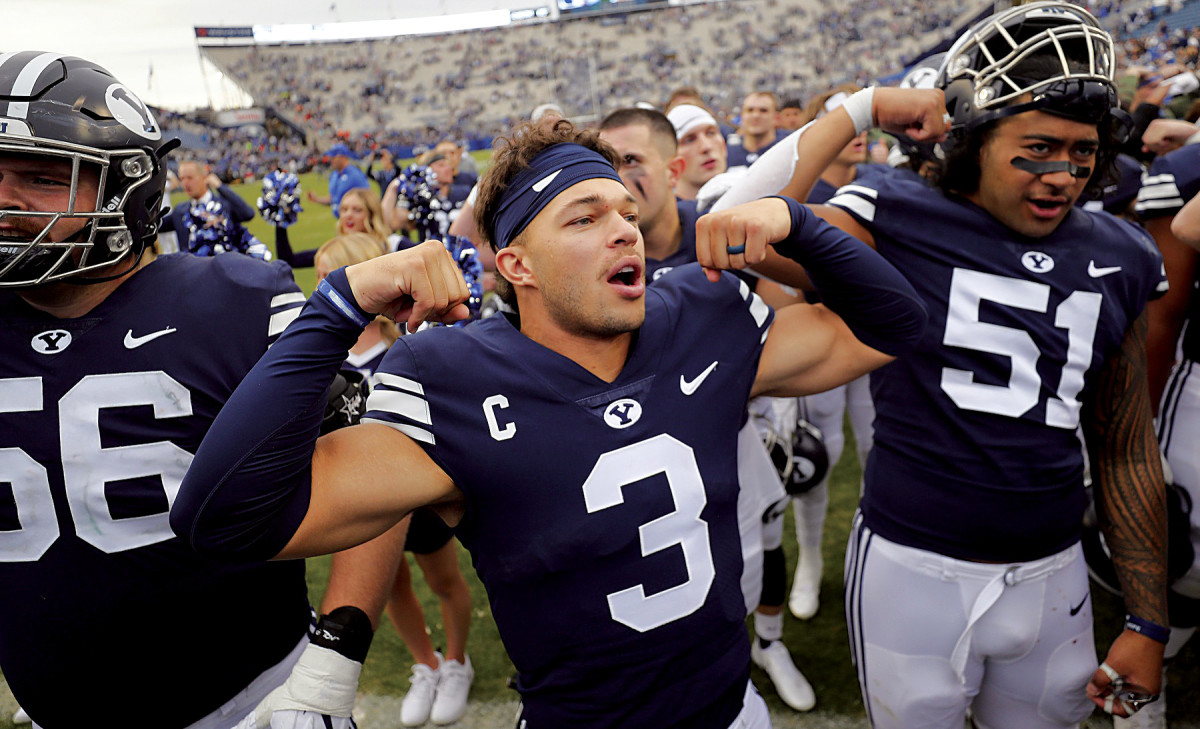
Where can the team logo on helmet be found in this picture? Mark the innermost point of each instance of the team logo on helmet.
(131, 112)
(15, 127)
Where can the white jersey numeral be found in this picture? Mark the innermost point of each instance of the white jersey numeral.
(1078, 314)
(683, 526)
(88, 466)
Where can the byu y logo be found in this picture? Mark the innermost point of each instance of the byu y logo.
(51, 342)
(622, 413)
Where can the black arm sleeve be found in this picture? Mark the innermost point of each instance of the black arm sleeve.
(283, 251)
(872, 297)
(248, 487)
(239, 208)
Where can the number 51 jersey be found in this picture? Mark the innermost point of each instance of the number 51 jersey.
(601, 517)
(976, 454)
(103, 611)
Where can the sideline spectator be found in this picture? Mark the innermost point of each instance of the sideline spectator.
(343, 176)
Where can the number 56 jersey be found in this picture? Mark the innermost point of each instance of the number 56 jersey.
(976, 454)
(601, 516)
(103, 611)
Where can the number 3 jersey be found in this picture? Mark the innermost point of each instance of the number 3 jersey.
(104, 612)
(601, 517)
(976, 454)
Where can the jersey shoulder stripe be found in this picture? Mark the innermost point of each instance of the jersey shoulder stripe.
(403, 401)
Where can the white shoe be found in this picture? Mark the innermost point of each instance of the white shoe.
(453, 687)
(790, 684)
(21, 717)
(418, 702)
(1150, 716)
(806, 585)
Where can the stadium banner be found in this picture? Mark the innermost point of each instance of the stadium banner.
(230, 32)
(240, 117)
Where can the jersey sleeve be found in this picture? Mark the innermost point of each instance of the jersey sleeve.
(862, 200)
(274, 280)
(1173, 179)
(398, 399)
(727, 310)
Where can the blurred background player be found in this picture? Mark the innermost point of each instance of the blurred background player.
(756, 132)
(701, 146)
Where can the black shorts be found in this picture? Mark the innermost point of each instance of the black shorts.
(427, 533)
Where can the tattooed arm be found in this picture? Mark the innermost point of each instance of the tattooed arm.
(1131, 503)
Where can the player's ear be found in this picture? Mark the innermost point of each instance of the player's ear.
(512, 262)
(675, 167)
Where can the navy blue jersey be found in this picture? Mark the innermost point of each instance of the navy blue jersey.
(105, 612)
(686, 253)
(976, 454)
(601, 517)
(1117, 197)
(822, 192)
(1173, 179)
(736, 154)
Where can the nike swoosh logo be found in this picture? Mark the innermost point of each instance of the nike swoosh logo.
(1079, 607)
(690, 387)
(542, 183)
(1095, 272)
(132, 342)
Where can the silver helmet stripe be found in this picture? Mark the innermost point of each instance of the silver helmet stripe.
(25, 81)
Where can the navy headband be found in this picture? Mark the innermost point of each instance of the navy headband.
(553, 170)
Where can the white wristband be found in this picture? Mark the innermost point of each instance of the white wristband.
(860, 107)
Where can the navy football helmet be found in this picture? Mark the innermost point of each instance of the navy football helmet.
(58, 106)
(806, 463)
(988, 72)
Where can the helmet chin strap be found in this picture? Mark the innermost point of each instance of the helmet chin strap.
(1045, 168)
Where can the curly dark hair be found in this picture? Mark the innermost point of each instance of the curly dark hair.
(513, 155)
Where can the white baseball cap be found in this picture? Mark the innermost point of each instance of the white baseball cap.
(687, 117)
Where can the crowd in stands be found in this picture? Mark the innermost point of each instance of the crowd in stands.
(411, 92)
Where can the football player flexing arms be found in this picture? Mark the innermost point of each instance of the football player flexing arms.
(112, 372)
(592, 475)
(966, 587)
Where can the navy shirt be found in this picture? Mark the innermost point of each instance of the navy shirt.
(737, 155)
(105, 611)
(601, 517)
(1173, 179)
(976, 454)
